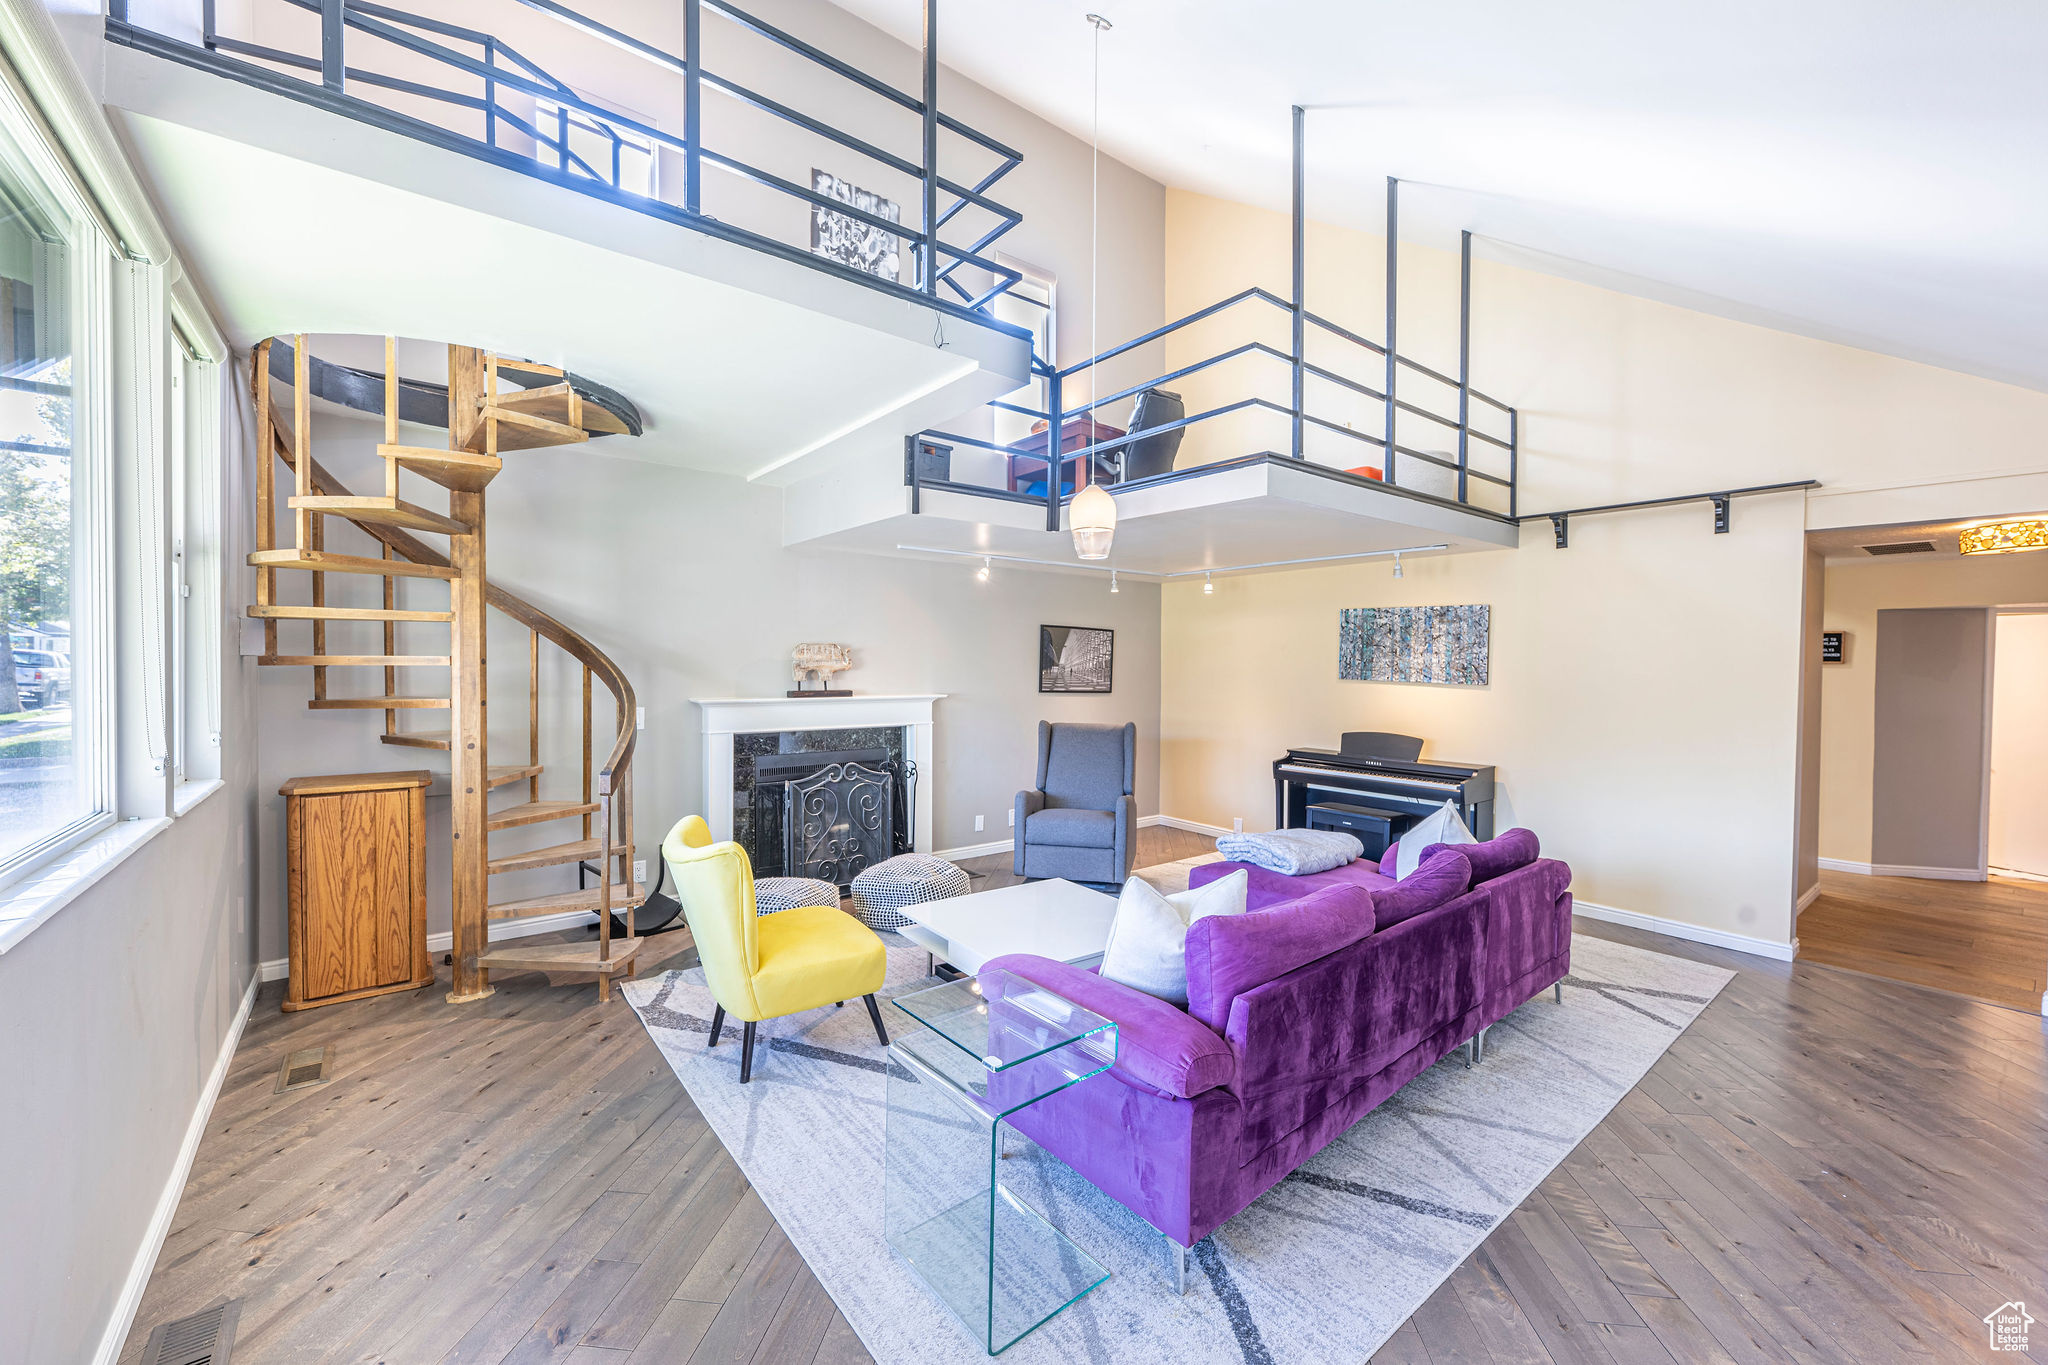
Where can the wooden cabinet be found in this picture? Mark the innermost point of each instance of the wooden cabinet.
(356, 867)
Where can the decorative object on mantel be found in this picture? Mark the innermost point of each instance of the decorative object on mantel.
(1076, 659)
(819, 663)
(1414, 644)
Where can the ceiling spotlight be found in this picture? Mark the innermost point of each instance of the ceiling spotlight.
(1397, 563)
(1112, 582)
(981, 574)
(1208, 588)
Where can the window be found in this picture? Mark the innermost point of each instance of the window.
(196, 583)
(615, 155)
(55, 748)
(1029, 303)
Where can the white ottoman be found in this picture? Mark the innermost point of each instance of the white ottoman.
(790, 893)
(881, 892)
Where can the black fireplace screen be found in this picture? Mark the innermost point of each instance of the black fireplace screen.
(839, 821)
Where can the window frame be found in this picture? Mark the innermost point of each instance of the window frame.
(89, 258)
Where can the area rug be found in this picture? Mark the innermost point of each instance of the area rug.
(1322, 1268)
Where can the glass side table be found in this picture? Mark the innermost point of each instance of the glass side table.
(990, 1046)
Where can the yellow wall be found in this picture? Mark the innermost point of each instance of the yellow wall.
(1856, 592)
(1645, 704)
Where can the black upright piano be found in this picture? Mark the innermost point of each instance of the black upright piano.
(1385, 774)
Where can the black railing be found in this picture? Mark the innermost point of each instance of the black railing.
(486, 79)
(1301, 371)
(1301, 421)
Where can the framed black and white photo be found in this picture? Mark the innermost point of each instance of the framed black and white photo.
(843, 238)
(1075, 659)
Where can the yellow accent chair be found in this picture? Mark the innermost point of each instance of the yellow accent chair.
(765, 966)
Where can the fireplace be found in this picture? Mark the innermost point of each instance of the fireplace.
(769, 741)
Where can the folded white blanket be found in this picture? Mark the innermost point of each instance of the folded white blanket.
(1292, 852)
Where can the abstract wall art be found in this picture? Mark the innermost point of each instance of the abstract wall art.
(1414, 645)
(843, 238)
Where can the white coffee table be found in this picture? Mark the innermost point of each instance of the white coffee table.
(1054, 919)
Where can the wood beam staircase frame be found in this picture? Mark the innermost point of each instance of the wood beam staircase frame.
(483, 422)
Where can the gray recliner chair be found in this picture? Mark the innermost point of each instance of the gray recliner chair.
(1080, 823)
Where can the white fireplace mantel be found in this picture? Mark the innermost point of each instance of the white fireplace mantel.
(724, 717)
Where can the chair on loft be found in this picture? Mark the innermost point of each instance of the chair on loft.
(766, 966)
(1150, 452)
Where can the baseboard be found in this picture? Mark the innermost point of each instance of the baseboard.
(1192, 826)
(1692, 933)
(123, 1319)
(1808, 897)
(2019, 875)
(278, 968)
(1931, 874)
(993, 846)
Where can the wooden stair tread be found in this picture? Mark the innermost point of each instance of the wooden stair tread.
(504, 774)
(564, 901)
(383, 511)
(378, 704)
(320, 561)
(461, 471)
(522, 431)
(561, 957)
(419, 739)
(553, 854)
(534, 812)
(354, 660)
(282, 612)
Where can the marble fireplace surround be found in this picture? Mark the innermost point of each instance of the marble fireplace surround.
(726, 717)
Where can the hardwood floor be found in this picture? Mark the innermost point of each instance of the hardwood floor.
(1988, 940)
(1825, 1167)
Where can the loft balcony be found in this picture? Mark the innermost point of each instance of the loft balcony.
(1274, 437)
(781, 254)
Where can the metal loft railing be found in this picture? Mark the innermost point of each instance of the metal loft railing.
(466, 72)
(1462, 473)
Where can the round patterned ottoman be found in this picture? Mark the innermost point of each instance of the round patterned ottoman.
(790, 893)
(881, 892)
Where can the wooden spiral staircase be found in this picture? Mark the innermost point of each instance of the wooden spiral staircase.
(491, 406)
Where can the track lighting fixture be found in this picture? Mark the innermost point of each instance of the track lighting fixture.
(981, 574)
(1208, 587)
(1112, 582)
(1397, 563)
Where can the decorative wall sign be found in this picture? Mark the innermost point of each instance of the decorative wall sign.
(847, 240)
(1831, 646)
(1414, 644)
(1075, 659)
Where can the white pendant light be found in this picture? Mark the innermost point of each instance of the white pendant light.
(1091, 517)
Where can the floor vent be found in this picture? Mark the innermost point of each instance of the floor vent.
(306, 1067)
(205, 1338)
(1901, 547)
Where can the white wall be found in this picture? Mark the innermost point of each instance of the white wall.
(681, 578)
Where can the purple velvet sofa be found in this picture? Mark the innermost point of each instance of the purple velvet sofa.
(1329, 994)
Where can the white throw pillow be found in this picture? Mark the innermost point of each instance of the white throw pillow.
(1445, 826)
(1148, 940)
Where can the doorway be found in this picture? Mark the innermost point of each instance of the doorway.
(1931, 780)
(2017, 833)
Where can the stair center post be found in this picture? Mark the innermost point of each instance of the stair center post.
(469, 782)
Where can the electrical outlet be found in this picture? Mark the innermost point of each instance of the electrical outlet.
(640, 871)
(1012, 813)
(1237, 825)
(639, 718)
(977, 824)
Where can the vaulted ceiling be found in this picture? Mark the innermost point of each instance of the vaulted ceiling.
(1865, 171)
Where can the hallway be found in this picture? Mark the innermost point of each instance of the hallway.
(1986, 940)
